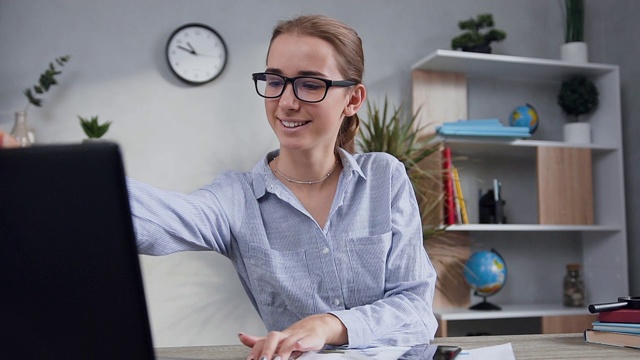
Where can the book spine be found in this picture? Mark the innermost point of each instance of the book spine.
(449, 204)
(456, 198)
(459, 196)
(610, 338)
(616, 327)
(620, 316)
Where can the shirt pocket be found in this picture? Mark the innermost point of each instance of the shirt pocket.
(368, 261)
(281, 279)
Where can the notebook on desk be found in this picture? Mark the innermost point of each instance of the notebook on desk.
(70, 279)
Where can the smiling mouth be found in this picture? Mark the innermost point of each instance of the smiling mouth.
(293, 124)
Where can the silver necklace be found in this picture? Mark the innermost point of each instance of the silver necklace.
(275, 168)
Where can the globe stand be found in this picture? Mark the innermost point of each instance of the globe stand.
(485, 305)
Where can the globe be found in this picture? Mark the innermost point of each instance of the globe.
(486, 272)
(525, 116)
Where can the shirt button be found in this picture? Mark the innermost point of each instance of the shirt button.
(325, 250)
(336, 302)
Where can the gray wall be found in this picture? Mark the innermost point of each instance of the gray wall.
(179, 137)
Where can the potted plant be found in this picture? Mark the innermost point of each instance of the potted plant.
(395, 133)
(398, 134)
(574, 49)
(21, 131)
(478, 35)
(92, 128)
(578, 96)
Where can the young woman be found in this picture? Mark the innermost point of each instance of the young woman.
(327, 243)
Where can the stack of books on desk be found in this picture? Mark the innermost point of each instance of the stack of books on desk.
(618, 328)
(492, 128)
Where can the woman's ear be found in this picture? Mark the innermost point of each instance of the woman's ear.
(357, 97)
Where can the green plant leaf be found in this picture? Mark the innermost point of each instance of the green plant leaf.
(574, 20)
(45, 81)
(478, 33)
(92, 128)
(32, 99)
(578, 96)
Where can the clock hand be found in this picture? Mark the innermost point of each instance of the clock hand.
(209, 55)
(187, 50)
(193, 51)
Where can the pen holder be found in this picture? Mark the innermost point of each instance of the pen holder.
(490, 211)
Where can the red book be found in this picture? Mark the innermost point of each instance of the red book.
(620, 316)
(449, 200)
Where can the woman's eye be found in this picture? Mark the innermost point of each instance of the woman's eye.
(311, 85)
(274, 83)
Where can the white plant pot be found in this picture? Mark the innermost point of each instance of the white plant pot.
(577, 133)
(575, 52)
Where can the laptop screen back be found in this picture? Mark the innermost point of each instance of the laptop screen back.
(71, 286)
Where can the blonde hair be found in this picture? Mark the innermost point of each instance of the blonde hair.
(347, 45)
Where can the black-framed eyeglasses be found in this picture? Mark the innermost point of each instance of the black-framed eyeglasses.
(309, 89)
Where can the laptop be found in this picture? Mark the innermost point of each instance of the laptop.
(70, 279)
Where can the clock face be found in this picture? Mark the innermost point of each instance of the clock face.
(196, 53)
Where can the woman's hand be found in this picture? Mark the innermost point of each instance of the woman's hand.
(310, 333)
(7, 141)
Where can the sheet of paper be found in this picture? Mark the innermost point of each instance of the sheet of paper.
(498, 352)
(378, 353)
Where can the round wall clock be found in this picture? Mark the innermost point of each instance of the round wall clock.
(196, 53)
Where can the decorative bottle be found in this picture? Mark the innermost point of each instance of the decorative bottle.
(21, 130)
(573, 287)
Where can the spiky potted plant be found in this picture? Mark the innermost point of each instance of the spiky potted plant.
(93, 128)
(575, 48)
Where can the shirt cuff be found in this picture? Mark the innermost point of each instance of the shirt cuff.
(358, 331)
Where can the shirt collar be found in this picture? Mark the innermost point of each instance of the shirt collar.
(263, 177)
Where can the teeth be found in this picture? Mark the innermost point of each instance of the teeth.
(291, 124)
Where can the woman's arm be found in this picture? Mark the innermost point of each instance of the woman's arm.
(167, 221)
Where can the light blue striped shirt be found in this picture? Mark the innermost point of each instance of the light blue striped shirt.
(367, 266)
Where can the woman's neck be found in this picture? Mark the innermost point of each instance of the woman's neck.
(305, 167)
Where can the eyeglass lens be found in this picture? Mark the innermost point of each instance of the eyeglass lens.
(305, 89)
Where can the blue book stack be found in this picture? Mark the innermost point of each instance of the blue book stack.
(482, 128)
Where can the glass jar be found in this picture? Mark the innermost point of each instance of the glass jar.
(573, 287)
(21, 130)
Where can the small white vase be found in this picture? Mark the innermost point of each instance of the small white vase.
(577, 133)
(575, 52)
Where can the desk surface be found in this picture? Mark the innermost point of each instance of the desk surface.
(551, 346)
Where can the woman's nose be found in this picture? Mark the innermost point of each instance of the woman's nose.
(288, 98)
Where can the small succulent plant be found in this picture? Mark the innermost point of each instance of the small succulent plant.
(93, 128)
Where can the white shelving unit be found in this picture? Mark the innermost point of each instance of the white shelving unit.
(510, 311)
(536, 254)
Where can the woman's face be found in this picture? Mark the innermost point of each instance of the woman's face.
(299, 125)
